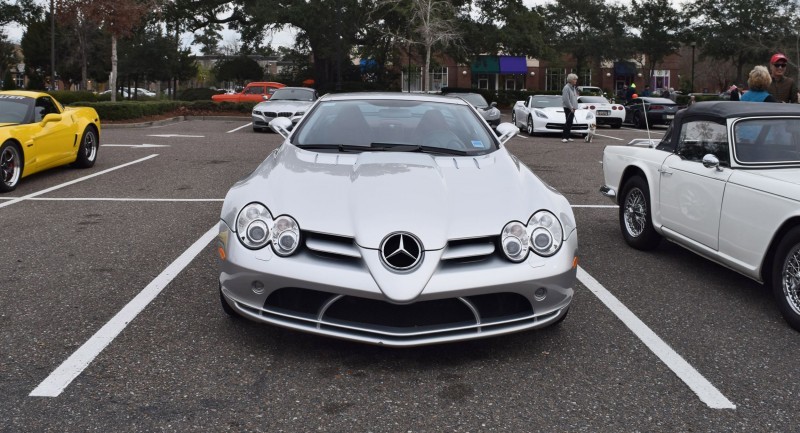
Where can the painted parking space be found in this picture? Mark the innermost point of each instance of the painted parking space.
(181, 356)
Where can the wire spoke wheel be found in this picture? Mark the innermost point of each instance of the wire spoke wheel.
(790, 279)
(635, 213)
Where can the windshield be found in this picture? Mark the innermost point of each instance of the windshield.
(595, 99)
(14, 109)
(547, 101)
(293, 95)
(394, 125)
(767, 141)
(473, 98)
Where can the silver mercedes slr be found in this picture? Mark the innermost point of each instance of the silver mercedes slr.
(398, 220)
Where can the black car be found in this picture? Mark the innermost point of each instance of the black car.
(660, 111)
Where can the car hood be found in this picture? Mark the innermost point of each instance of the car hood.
(369, 195)
(283, 105)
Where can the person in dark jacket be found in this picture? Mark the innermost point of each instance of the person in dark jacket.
(782, 88)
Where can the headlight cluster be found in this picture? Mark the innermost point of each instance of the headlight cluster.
(540, 114)
(255, 228)
(543, 234)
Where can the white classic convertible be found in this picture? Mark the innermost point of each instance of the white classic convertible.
(724, 182)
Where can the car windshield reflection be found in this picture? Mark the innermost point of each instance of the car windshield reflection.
(392, 125)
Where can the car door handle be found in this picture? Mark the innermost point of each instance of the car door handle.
(664, 171)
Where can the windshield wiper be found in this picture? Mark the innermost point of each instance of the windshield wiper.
(391, 147)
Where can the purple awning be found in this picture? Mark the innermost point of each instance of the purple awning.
(513, 65)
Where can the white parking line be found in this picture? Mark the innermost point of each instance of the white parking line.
(707, 393)
(607, 136)
(168, 200)
(80, 179)
(73, 366)
(243, 126)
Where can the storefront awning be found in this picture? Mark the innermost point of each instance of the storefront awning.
(624, 69)
(486, 65)
(500, 65)
(513, 65)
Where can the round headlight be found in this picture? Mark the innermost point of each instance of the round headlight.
(514, 240)
(546, 233)
(252, 225)
(285, 235)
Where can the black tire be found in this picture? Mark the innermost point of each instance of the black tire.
(637, 120)
(529, 126)
(786, 277)
(226, 307)
(635, 219)
(514, 118)
(617, 125)
(11, 164)
(87, 151)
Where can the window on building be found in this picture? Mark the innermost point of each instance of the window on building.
(555, 78)
(511, 84)
(438, 78)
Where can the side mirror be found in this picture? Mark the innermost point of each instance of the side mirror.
(264, 97)
(52, 117)
(281, 125)
(506, 131)
(711, 161)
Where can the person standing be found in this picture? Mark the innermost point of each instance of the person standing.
(758, 82)
(734, 92)
(783, 88)
(569, 99)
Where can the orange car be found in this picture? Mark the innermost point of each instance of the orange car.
(256, 91)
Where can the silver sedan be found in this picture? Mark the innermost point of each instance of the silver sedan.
(291, 102)
(399, 220)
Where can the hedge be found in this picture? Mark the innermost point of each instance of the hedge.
(124, 110)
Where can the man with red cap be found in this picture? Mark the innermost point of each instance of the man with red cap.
(783, 88)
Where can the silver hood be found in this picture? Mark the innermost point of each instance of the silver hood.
(369, 195)
(283, 106)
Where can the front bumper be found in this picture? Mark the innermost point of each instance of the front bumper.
(339, 297)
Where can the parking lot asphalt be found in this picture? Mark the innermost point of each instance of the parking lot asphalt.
(111, 320)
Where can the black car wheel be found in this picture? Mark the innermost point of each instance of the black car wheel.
(529, 127)
(635, 219)
(87, 152)
(10, 166)
(786, 277)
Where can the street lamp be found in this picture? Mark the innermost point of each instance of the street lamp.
(693, 44)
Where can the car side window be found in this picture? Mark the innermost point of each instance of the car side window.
(44, 106)
(701, 137)
(767, 140)
(254, 90)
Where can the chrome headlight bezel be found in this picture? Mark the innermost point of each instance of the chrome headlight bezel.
(256, 228)
(543, 234)
(546, 233)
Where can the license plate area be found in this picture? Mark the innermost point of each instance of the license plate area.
(603, 113)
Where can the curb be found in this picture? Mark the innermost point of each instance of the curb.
(172, 120)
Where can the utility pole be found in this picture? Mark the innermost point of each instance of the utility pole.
(52, 45)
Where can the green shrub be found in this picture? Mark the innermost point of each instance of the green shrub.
(197, 94)
(68, 97)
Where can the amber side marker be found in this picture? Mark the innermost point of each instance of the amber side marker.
(574, 262)
(221, 253)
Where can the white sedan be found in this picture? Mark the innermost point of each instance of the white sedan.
(545, 114)
(724, 182)
(605, 112)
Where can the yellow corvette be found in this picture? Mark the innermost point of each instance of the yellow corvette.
(38, 133)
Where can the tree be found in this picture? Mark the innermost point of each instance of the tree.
(744, 32)
(589, 30)
(8, 59)
(238, 69)
(659, 29)
(119, 19)
(208, 39)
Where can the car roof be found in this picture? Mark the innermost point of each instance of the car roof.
(26, 93)
(730, 109)
(394, 96)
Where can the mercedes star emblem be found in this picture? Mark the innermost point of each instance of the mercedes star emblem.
(401, 251)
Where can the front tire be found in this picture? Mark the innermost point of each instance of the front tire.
(87, 152)
(529, 126)
(635, 219)
(10, 166)
(786, 277)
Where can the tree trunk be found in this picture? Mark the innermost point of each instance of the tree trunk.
(112, 80)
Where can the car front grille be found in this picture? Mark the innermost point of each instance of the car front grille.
(277, 114)
(379, 321)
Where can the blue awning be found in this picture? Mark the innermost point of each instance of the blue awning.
(513, 65)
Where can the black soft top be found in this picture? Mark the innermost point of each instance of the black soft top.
(729, 109)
